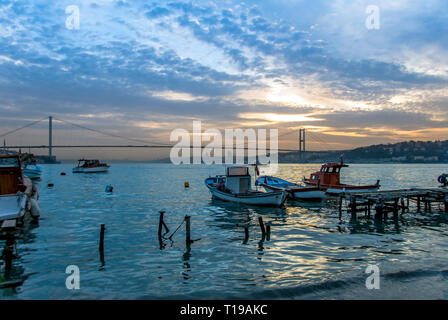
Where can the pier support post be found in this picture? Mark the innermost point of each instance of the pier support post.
(418, 204)
(395, 209)
(353, 206)
(368, 208)
(340, 207)
(379, 209)
(445, 202)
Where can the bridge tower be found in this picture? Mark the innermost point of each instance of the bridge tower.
(50, 136)
(302, 142)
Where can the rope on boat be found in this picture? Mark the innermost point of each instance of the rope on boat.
(171, 236)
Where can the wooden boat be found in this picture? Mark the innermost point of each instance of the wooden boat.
(17, 194)
(235, 186)
(90, 166)
(31, 169)
(328, 178)
(294, 190)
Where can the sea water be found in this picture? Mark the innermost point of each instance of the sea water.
(311, 254)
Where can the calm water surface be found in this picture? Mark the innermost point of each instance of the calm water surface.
(310, 255)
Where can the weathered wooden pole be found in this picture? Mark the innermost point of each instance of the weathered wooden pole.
(268, 231)
(263, 230)
(162, 224)
(353, 206)
(340, 207)
(368, 208)
(246, 234)
(418, 204)
(187, 230)
(395, 208)
(103, 227)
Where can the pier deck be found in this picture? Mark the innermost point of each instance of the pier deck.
(392, 201)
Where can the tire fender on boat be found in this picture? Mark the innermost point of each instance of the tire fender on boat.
(34, 210)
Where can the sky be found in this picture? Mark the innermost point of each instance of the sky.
(141, 69)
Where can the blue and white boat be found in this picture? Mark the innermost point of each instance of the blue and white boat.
(32, 171)
(294, 190)
(235, 186)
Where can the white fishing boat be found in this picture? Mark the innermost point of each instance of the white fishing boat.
(90, 166)
(17, 194)
(235, 186)
(294, 190)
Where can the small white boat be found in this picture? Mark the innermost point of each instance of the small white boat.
(17, 194)
(235, 186)
(90, 166)
(295, 191)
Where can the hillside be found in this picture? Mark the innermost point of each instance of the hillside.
(406, 152)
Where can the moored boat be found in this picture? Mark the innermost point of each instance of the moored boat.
(329, 178)
(30, 167)
(294, 190)
(90, 166)
(235, 186)
(18, 195)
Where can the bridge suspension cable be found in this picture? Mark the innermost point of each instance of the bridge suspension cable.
(23, 127)
(110, 134)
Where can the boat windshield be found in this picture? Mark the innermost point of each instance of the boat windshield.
(9, 162)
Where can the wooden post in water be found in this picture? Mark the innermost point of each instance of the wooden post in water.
(268, 232)
(368, 208)
(246, 234)
(418, 204)
(445, 202)
(395, 209)
(353, 206)
(263, 231)
(340, 207)
(101, 248)
(162, 224)
(187, 231)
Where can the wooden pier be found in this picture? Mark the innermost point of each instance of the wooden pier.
(381, 203)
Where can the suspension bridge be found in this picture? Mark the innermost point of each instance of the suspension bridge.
(141, 143)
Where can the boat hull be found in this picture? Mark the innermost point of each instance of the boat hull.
(90, 170)
(295, 191)
(12, 206)
(275, 199)
(32, 172)
(308, 194)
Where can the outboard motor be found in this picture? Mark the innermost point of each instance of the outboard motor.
(443, 179)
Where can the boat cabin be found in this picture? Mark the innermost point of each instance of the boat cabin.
(238, 179)
(11, 175)
(329, 174)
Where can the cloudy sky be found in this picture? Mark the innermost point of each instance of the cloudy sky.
(143, 68)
